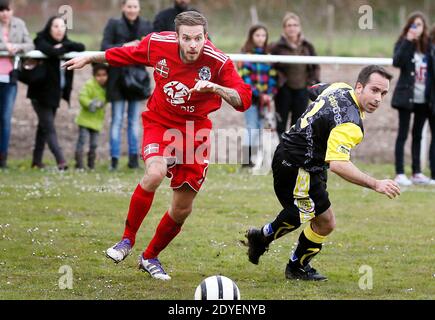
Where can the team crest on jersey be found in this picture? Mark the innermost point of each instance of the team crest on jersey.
(162, 68)
(205, 74)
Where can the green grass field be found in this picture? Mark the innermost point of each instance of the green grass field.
(49, 219)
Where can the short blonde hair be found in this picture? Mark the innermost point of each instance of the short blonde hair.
(288, 16)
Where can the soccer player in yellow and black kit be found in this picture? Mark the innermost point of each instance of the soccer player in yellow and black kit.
(323, 137)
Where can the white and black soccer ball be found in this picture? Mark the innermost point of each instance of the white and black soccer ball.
(217, 288)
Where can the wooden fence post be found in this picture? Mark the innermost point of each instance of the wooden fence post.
(254, 14)
(330, 27)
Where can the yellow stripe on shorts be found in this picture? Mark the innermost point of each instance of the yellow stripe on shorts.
(302, 198)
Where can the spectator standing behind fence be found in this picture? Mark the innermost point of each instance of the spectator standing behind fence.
(409, 94)
(293, 78)
(57, 84)
(430, 97)
(125, 31)
(91, 117)
(14, 38)
(262, 79)
(164, 20)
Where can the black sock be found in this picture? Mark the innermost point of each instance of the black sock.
(309, 245)
(284, 223)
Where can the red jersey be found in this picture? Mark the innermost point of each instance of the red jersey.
(171, 104)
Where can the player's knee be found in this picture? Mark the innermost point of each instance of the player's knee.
(180, 213)
(329, 225)
(324, 224)
(155, 173)
(152, 181)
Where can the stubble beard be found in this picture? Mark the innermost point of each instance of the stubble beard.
(186, 58)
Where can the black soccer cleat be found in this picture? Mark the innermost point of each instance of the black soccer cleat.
(308, 273)
(257, 244)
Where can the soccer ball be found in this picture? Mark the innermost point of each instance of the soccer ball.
(217, 288)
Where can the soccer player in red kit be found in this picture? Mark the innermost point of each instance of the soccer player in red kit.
(192, 77)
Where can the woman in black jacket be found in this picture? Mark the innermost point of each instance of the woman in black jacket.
(125, 31)
(294, 79)
(409, 98)
(430, 96)
(46, 95)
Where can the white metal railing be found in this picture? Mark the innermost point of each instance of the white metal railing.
(273, 59)
(35, 54)
(253, 58)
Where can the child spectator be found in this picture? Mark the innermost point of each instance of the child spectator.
(262, 79)
(91, 117)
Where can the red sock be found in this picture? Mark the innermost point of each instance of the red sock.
(140, 204)
(166, 231)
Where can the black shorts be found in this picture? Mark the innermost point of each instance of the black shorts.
(302, 193)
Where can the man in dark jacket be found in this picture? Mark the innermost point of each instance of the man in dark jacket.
(164, 20)
(128, 30)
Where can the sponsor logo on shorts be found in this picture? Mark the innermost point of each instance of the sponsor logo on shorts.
(306, 209)
(305, 205)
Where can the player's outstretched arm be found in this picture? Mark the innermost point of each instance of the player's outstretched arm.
(81, 61)
(229, 95)
(348, 171)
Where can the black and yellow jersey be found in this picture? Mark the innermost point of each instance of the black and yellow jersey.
(328, 130)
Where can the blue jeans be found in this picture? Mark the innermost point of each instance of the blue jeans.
(253, 125)
(133, 114)
(8, 94)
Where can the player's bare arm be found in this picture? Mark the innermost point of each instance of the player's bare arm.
(80, 62)
(229, 95)
(348, 171)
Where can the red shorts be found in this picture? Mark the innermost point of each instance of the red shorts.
(187, 158)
